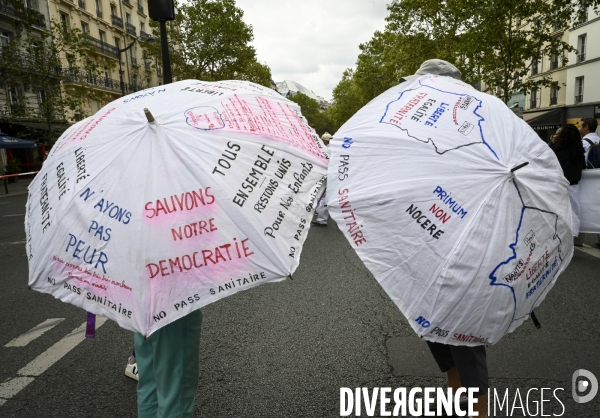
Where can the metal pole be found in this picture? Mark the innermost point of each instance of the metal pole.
(167, 78)
(121, 75)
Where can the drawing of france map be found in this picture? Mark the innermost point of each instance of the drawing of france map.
(432, 115)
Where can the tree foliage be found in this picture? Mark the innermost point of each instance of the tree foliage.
(491, 41)
(209, 41)
(311, 110)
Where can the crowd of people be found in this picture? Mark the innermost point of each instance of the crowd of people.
(572, 145)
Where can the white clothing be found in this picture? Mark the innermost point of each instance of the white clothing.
(592, 136)
(575, 208)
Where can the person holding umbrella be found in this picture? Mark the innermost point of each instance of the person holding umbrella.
(321, 210)
(465, 366)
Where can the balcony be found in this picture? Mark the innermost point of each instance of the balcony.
(581, 57)
(140, 8)
(40, 63)
(130, 29)
(104, 83)
(116, 21)
(33, 16)
(144, 36)
(579, 98)
(99, 14)
(82, 4)
(102, 47)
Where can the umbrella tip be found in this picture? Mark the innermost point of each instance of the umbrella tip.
(148, 115)
(291, 278)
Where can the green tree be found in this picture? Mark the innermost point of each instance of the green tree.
(494, 41)
(347, 100)
(311, 110)
(209, 41)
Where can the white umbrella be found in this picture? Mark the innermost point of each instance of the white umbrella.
(145, 217)
(454, 204)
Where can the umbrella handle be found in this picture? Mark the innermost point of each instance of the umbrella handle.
(148, 115)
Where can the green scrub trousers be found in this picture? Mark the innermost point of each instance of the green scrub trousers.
(169, 367)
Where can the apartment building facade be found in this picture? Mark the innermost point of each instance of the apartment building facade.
(110, 26)
(578, 97)
(14, 97)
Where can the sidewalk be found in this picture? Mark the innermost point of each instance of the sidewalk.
(15, 189)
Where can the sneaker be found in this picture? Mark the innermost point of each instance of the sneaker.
(131, 370)
(318, 223)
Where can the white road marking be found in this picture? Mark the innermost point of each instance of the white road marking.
(44, 361)
(24, 339)
(16, 214)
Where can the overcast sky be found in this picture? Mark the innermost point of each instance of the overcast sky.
(312, 41)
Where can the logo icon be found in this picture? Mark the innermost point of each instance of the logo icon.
(583, 381)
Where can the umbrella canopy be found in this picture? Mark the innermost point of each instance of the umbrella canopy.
(455, 205)
(7, 141)
(146, 216)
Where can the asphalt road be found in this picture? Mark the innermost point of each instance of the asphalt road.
(285, 349)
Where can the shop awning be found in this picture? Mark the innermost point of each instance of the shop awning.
(552, 117)
(12, 142)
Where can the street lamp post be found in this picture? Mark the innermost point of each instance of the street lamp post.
(166, 59)
(161, 11)
(150, 39)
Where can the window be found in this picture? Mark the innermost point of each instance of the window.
(85, 28)
(147, 82)
(553, 95)
(556, 26)
(64, 20)
(102, 35)
(142, 27)
(553, 62)
(578, 90)
(534, 65)
(106, 75)
(42, 98)
(581, 44)
(98, 5)
(135, 80)
(533, 99)
(518, 21)
(4, 38)
(128, 18)
(15, 98)
(583, 16)
(113, 10)
(31, 4)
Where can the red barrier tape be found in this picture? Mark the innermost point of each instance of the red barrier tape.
(17, 175)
